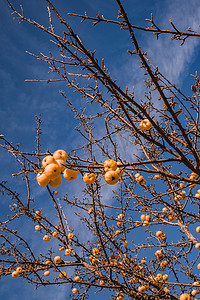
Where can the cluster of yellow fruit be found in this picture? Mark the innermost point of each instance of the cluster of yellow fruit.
(112, 173)
(53, 166)
(139, 178)
(16, 273)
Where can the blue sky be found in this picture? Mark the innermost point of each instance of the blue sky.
(20, 101)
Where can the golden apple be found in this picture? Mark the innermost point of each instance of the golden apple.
(70, 174)
(89, 178)
(52, 171)
(111, 177)
(109, 165)
(60, 154)
(42, 179)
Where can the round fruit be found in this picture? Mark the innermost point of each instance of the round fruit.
(37, 227)
(157, 177)
(159, 233)
(60, 154)
(194, 292)
(89, 178)
(165, 277)
(61, 248)
(95, 252)
(125, 244)
(46, 273)
(102, 282)
(55, 182)
(197, 246)
(42, 179)
(77, 279)
(55, 234)
(145, 125)
(49, 159)
(57, 259)
(184, 297)
(46, 238)
(111, 177)
(68, 252)
(70, 174)
(109, 165)
(74, 291)
(15, 274)
(164, 264)
(63, 275)
(70, 236)
(19, 270)
(38, 214)
(198, 229)
(61, 164)
(142, 289)
(52, 171)
(120, 217)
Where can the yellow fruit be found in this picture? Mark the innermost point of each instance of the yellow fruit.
(42, 179)
(70, 236)
(197, 195)
(55, 234)
(147, 218)
(120, 296)
(95, 252)
(56, 193)
(38, 214)
(89, 178)
(70, 174)
(74, 291)
(181, 185)
(63, 275)
(56, 181)
(164, 264)
(111, 177)
(37, 227)
(15, 274)
(145, 125)
(145, 223)
(57, 259)
(46, 273)
(117, 232)
(143, 217)
(196, 283)
(47, 160)
(109, 165)
(19, 270)
(194, 292)
(193, 185)
(163, 237)
(165, 277)
(197, 246)
(159, 233)
(198, 266)
(184, 297)
(102, 282)
(68, 252)
(120, 217)
(52, 171)
(142, 289)
(77, 279)
(61, 248)
(171, 218)
(46, 238)
(159, 277)
(157, 177)
(61, 164)
(125, 244)
(165, 210)
(60, 154)
(47, 262)
(159, 254)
